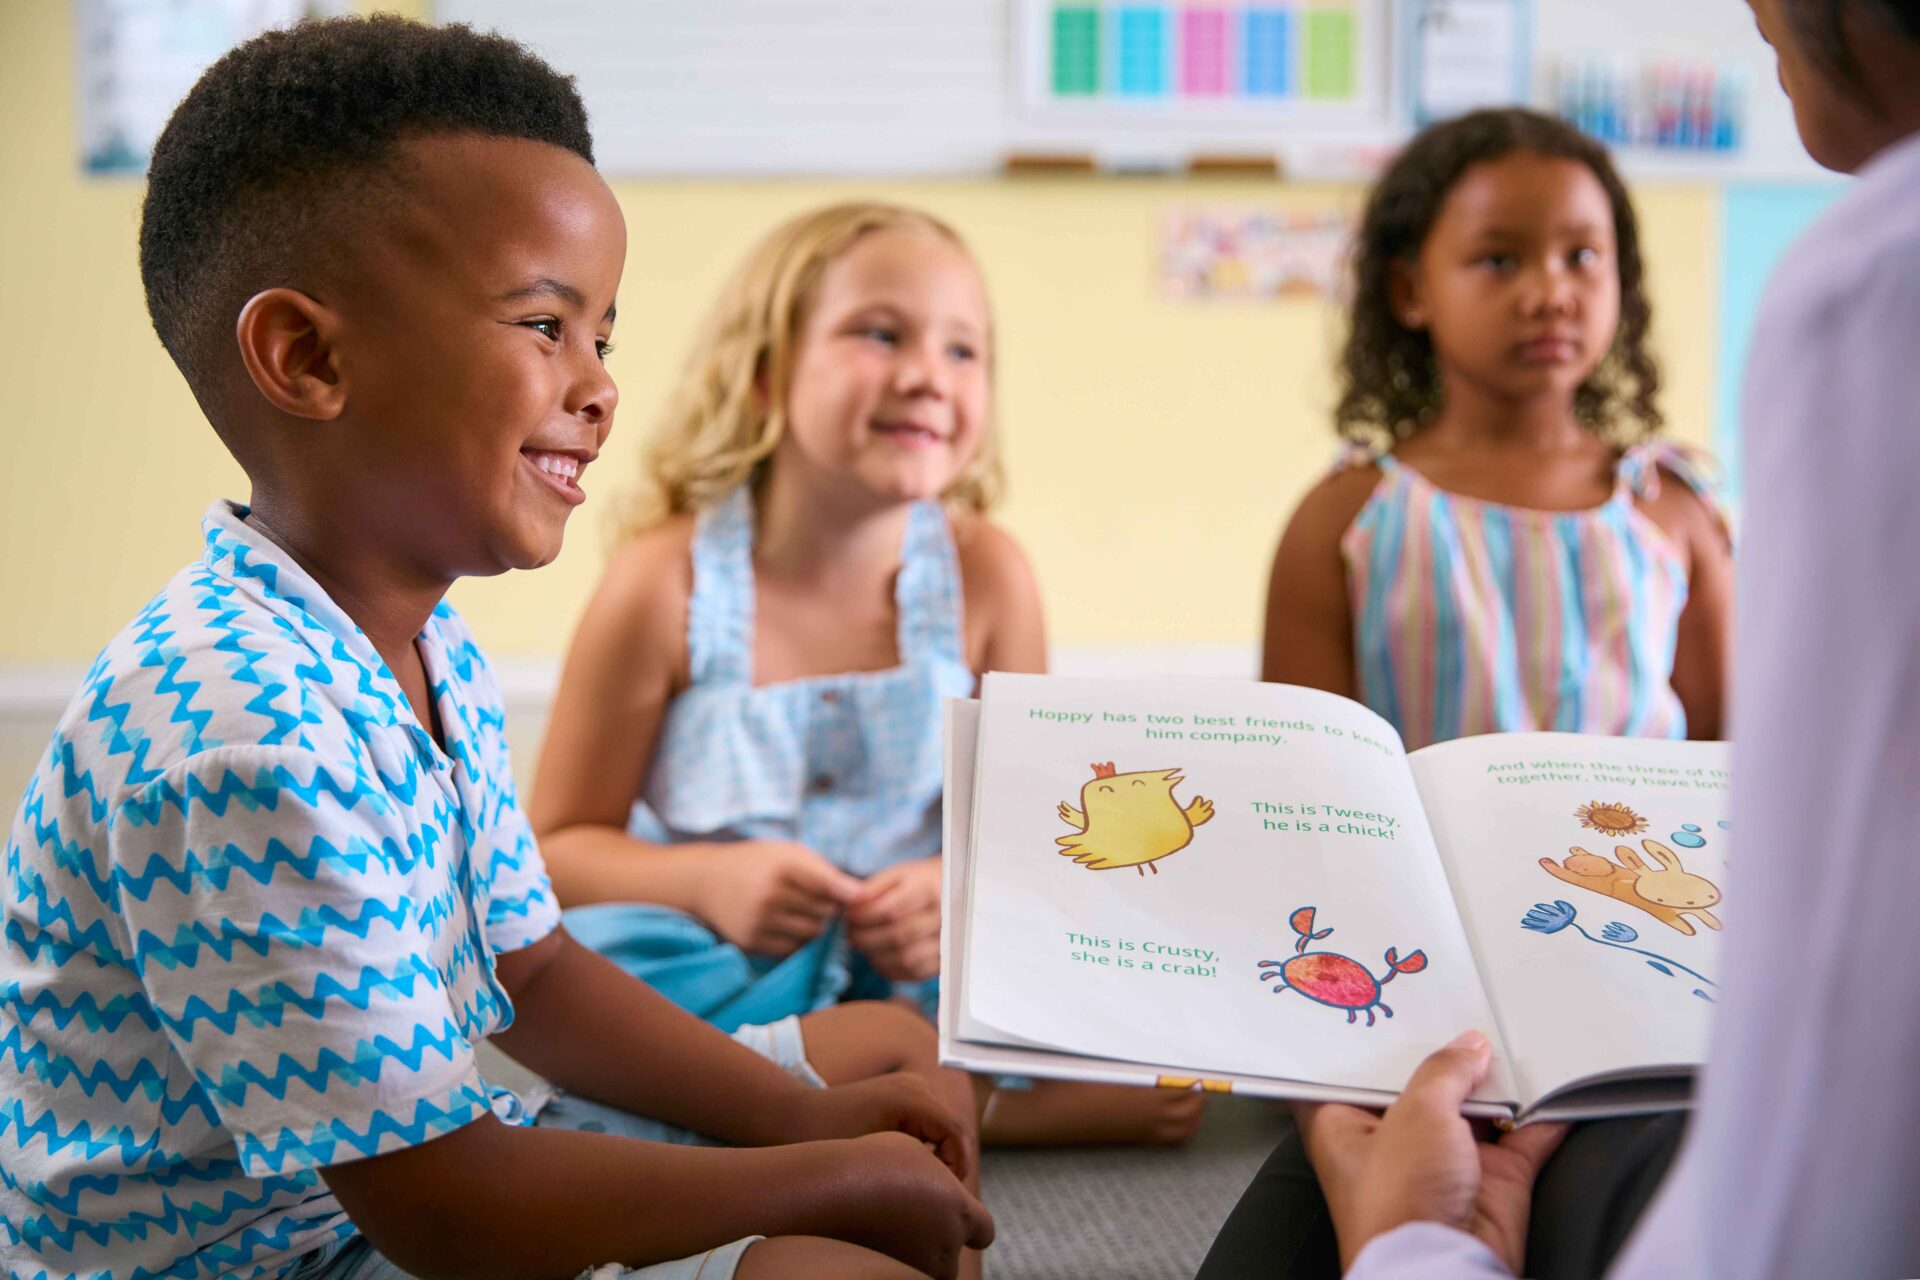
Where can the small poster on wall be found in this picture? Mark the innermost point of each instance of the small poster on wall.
(1254, 253)
(1467, 54)
(137, 59)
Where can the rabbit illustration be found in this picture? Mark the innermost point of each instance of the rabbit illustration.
(1668, 894)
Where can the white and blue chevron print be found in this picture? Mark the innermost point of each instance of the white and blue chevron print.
(250, 914)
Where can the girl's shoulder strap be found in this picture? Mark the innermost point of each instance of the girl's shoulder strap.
(720, 611)
(928, 594)
(1354, 454)
(1641, 465)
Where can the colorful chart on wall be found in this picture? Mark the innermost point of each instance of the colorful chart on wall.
(1181, 60)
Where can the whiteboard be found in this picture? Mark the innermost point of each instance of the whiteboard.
(930, 88)
(873, 87)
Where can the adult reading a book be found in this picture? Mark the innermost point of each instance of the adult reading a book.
(1804, 1156)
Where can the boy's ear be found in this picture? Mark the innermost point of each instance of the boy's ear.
(286, 343)
(1403, 295)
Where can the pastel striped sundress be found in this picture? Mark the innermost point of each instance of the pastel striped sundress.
(1473, 617)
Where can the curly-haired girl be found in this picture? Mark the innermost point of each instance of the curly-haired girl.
(1508, 545)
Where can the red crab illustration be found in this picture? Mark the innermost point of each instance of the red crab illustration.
(1332, 979)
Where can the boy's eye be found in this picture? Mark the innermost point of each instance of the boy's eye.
(1585, 256)
(880, 333)
(962, 351)
(1498, 261)
(546, 327)
(604, 346)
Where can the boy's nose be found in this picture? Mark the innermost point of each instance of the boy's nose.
(593, 397)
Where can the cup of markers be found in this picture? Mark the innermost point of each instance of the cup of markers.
(1669, 106)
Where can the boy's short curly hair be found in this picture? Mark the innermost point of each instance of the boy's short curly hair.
(1389, 385)
(264, 166)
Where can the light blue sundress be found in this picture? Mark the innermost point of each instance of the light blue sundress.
(848, 765)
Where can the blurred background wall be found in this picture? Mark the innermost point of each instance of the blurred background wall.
(1155, 444)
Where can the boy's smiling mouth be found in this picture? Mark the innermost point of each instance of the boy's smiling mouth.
(560, 469)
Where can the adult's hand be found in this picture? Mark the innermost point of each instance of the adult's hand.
(1420, 1161)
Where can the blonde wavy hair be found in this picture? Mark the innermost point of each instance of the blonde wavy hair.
(718, 428)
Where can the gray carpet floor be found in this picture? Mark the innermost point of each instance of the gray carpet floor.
(1123, 1213)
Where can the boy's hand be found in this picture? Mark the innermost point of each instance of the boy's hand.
(1419, 1162)
(899, 1200)
(772, 897)
(895, 920)
(899, 1102)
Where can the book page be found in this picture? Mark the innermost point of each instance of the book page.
(1225, 876)
(1000, 1057)
(1588, 872)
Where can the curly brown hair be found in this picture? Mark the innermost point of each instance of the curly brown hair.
(1390, 387)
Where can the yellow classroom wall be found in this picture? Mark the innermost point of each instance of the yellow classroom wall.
(1155, 446)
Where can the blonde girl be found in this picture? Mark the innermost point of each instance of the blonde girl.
(739, 795)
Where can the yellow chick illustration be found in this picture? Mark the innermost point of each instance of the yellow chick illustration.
(1130, 820)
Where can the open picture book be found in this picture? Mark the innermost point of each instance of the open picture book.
(1253, 887)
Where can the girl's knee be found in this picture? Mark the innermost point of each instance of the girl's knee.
(816, 1258)
(882, 1035)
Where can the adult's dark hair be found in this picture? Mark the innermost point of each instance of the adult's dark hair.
(1820, 28)
(1389, 384)
(267, 166)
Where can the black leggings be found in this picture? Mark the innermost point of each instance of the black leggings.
(1588, 1198)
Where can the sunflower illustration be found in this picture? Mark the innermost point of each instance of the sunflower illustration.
(1610, 819)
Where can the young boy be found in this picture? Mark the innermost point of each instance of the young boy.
(270, 884)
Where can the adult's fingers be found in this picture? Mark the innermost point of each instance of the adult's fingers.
(1326, 1126)
(1444, 1080)
(1535, 1142)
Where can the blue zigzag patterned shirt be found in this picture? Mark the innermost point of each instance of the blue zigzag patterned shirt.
(250, 913)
